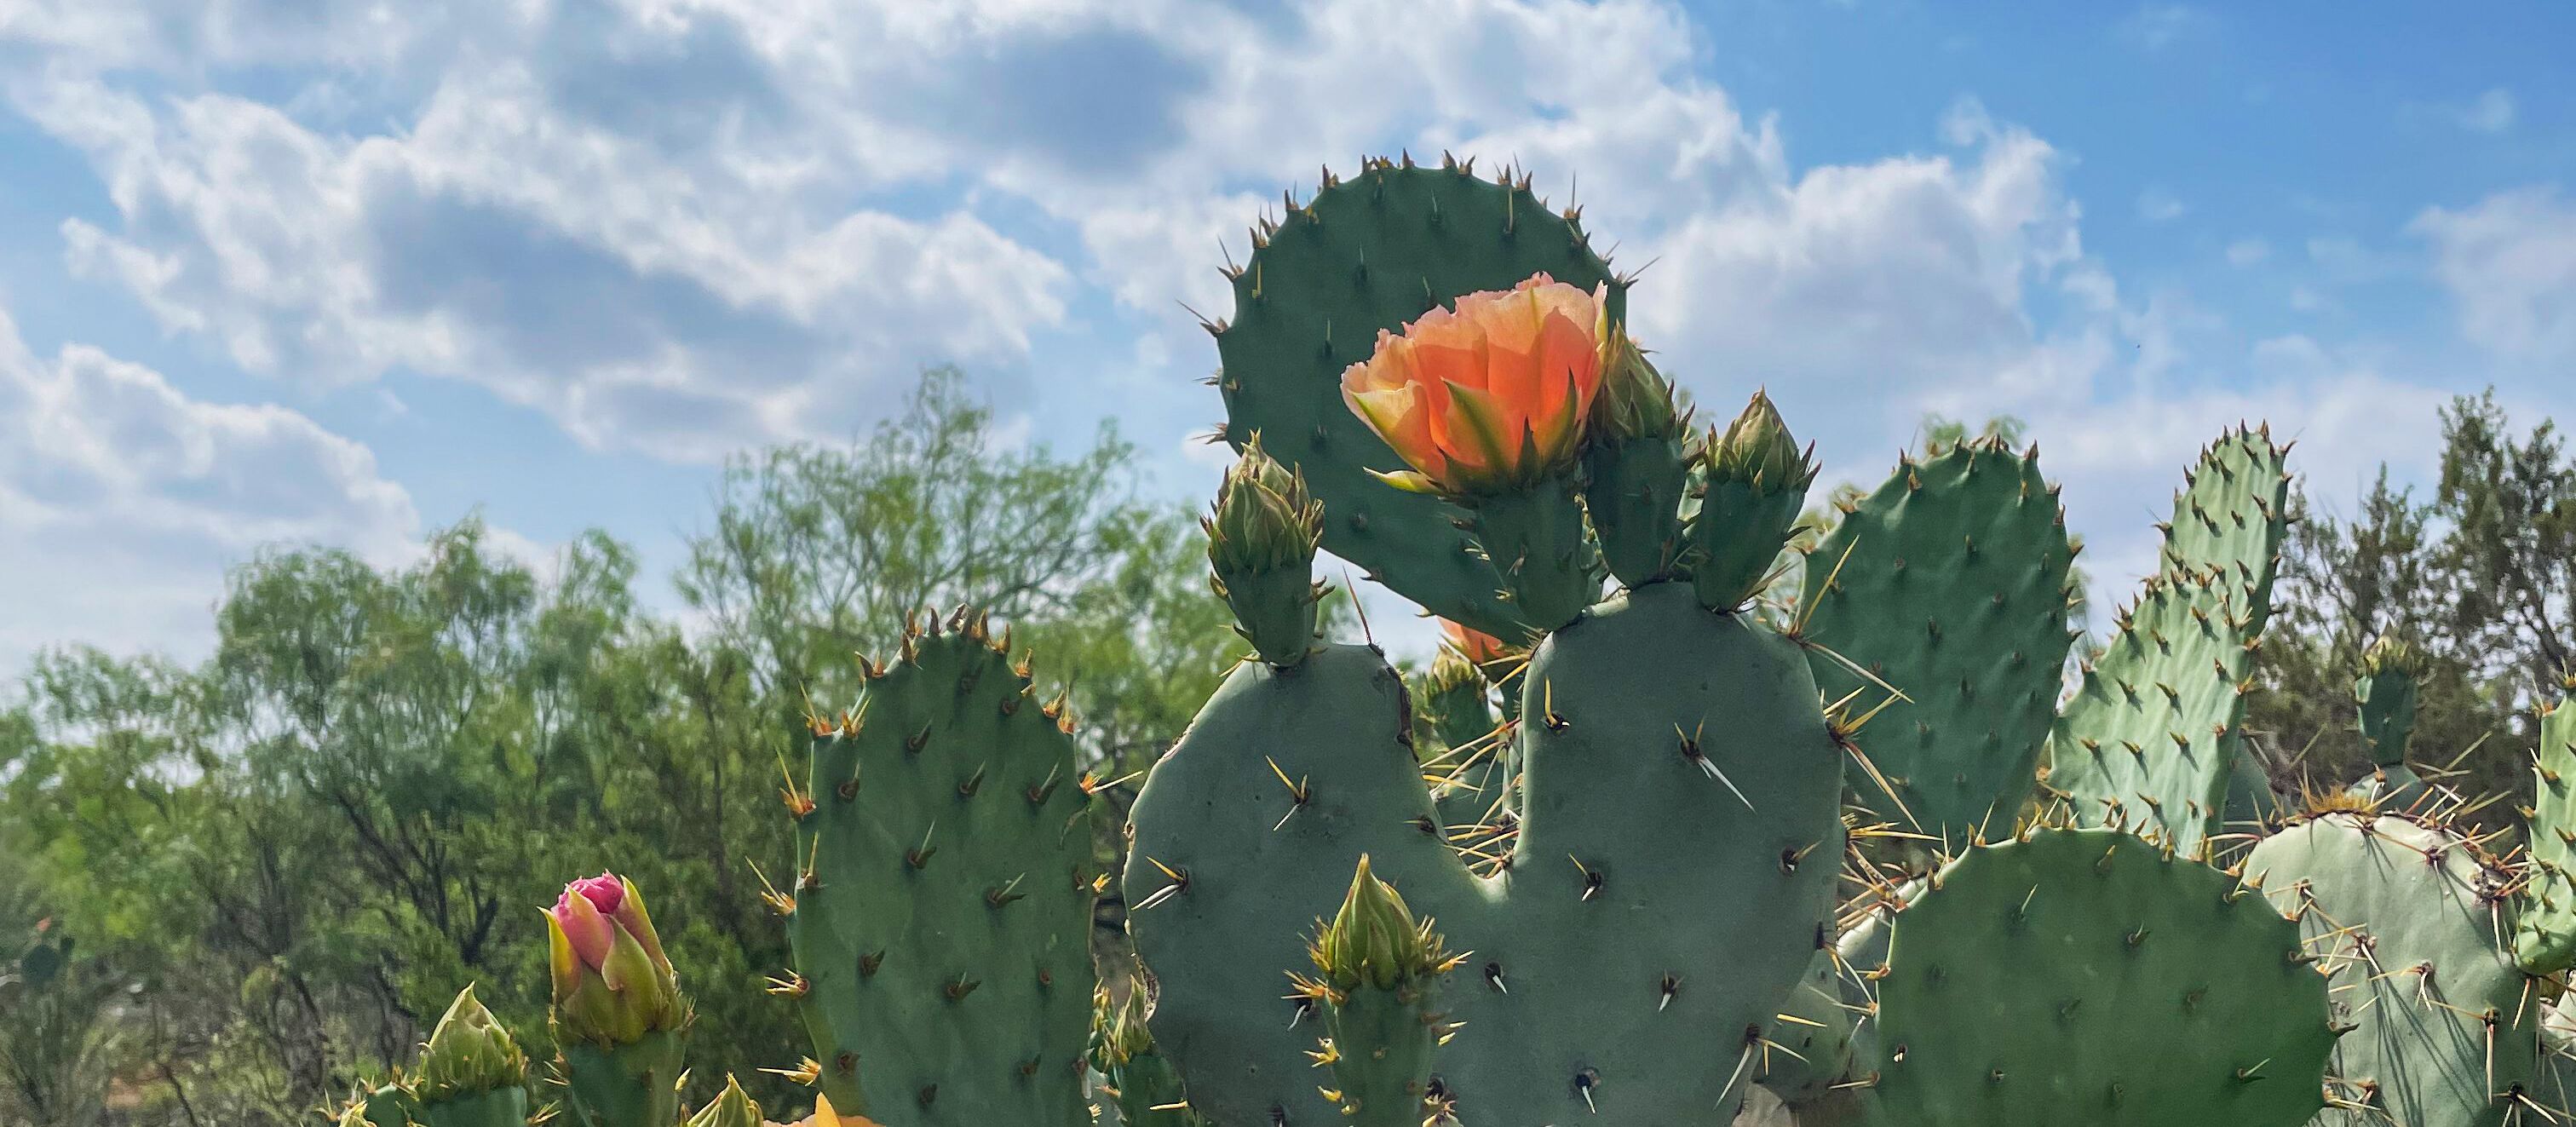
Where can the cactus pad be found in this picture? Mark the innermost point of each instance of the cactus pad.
(1948, 584)
(1367, 255)
(1671, 878)
(2087, 977)
(2151, 737)
(2545, 934)
(942, 922)
(2408, 915)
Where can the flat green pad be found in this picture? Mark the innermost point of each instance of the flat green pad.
(2152, 736)
(2419, 897)
(1948, 584)
(1368, 254)
(2086, 977)
(1648, 920)
(2545, 934)
(944, 931)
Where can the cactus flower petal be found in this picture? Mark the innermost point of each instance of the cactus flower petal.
(589, 930)
(1470, 397)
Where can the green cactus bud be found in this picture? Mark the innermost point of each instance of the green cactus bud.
(1261, 554)
(1264, 518)
(1375, 941)
(1758, 450)
(1635, 401)
(469, 1052)
(1636, 466)
(1756, 478)
(732, 1108)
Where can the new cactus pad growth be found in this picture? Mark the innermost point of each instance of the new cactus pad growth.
(2153, 734)
(2545, 934)
(2084, 976)
(2408, 916)
(1670, 880)
(941, 919)
(1949, 585)
(1377, 971)
(1368, 255)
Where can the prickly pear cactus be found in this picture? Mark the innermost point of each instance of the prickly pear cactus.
(941, 920)
(1367, 255)
(1672, 876)
(2084, 976)
(1949, 584)
(2545, 933)
(2407, 915)
(2155, 731)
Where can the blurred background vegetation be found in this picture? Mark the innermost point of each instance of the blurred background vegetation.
(229, 891)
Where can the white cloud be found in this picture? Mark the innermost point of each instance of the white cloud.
(2155, 27)
(2492, 112)
(2509, 262)
(122, 500)
(2159, 205)
(2248, 252)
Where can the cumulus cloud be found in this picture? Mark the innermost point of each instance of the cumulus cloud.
(2492, 112)
(122, 500)
(2157, 204)
(2509, 262)
(2248, 252)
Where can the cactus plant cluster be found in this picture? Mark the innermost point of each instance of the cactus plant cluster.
(1637, 841)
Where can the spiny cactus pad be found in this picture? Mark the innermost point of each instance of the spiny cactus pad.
(1622, 964)
(2545, 934)
(1948, 584)
(1367, 255)
(941, 925)
(2408, 917)
(2152, 735)
(2083, 976)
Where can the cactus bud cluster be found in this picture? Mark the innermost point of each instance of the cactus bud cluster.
(469, 1053)
(1375, 942)
(1261, 554)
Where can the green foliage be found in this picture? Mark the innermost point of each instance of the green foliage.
(460, 734)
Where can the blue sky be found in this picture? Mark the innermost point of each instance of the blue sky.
(279, 270)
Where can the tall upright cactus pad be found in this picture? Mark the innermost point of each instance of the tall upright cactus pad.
(2384, 695)
(2408, 916)
(1365, 256)
(1949, 585)
(2152, 735)
(1671, 879)
(2545, 934)
(2084, 976)
(941, 922)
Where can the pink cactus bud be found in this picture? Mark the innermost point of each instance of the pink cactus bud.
(584, 914)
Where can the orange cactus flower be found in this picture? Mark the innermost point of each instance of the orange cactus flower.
(1474, 645)
(1490, 395)
(824, 1116)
